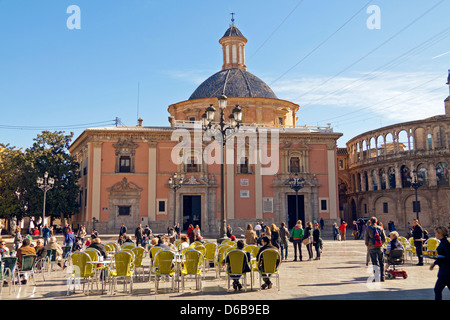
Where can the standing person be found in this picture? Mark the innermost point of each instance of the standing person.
(258, 230)
(265, 241)
(94, 233)
(250, 235)
(307, 236)
(69, 239)
(335, 231)
(82, 234)
(46, 234)
(343, 229)
(138, 235)
(123, 230)
(198, 234)
(417, 233)
(374, 240)
(177, 230)
(275, 236)
(317, 240)
(284, 238)
(443, 261)
(190, 233)
(17, 239)
(355, 231)
(297, 237)
(322, 224)
(229, 231)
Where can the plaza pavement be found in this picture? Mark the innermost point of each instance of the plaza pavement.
(341, 274)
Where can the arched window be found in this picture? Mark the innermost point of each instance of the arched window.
(382, 174)
(442, 174)
(391, 177)
(422, 175)
(406, 176)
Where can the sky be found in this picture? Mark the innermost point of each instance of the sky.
(356, 64)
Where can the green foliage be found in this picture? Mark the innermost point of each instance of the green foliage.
(20, 170)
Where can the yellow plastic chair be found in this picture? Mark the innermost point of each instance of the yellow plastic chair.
(254, 263)
(81, 269)
(236, 259)
(164, 267)
(192, 262)
(200, 248)
(219, 260)
(128, 245)
(248, 248)
(411, 250)
(152, 254)
(122, 269)
(210, 254)
(269, 267)
(138, 259)
(430, 247)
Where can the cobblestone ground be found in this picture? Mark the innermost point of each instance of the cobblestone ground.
(341, 274)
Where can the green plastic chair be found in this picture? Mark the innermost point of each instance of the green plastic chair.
(192, 262)
(123, 269)
(138, 259)
(164, 267)
(236, 259)
(50, 260)
(8, 266)
(27, 266)
(81, 269)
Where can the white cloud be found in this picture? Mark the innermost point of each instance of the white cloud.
(395, 96)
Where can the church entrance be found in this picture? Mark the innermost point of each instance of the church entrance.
(292, 215)
(192, 211)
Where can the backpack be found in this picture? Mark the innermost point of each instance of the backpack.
(376, 239)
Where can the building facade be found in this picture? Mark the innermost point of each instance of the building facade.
(125, 170)
(378, 169)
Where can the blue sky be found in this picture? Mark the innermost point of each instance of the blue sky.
(317, 53)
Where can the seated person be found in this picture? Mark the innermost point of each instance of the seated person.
(245, 265)
(4, 251)
(394, 243)
(265, 241)
(97, 244)
(24, 250)
(53, 244)
(184, 243)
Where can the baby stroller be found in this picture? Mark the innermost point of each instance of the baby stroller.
(395, 258)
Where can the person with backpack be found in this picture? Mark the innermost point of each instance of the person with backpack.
(374, 239)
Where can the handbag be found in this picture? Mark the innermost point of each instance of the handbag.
(306, 241)
(291, 239)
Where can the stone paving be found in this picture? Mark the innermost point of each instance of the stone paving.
(341, 274)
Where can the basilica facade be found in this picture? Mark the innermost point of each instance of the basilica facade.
(125, 171)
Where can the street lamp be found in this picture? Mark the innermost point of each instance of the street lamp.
(45, 184)
(175, 183)
(416, 185)
(296, 184)
(222, 131)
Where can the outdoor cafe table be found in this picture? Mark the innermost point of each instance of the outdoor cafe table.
(103, 263)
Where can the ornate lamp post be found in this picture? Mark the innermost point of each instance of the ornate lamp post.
(296, 184)
(416, 185)
(222, 131)
(45, 184)
(175, 183)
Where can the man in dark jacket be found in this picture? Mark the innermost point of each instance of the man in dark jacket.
(417, 233)
(123, 230)
(138, 234)
(443, 261)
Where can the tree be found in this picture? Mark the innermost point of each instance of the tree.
(20, 170)
(49, 153)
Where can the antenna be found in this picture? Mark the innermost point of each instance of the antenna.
(137, 113)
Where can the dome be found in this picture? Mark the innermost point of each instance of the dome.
(234, 82)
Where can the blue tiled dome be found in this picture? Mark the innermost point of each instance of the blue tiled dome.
(233, 83)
